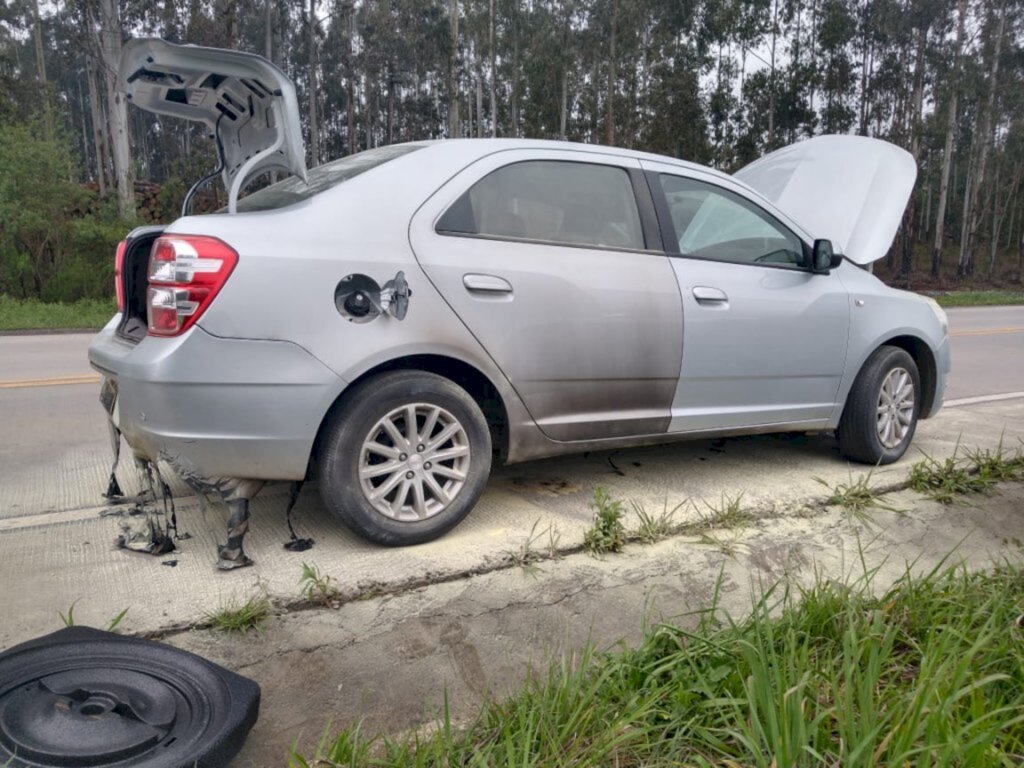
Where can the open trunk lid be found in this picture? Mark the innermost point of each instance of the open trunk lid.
(248, 103)
(851, 190)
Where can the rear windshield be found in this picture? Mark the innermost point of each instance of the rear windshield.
(293, 189)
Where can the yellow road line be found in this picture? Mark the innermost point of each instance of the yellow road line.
(82, 378)
(987, 331)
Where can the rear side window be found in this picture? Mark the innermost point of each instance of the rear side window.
(293, 189)
(713, 223)
(550, 201)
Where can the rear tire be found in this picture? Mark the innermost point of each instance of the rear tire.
(399, 486)
(880, 417)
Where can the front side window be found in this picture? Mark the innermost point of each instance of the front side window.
(550, 201)
(712, 223)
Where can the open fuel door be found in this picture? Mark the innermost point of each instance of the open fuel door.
(247, 102)
(851, 190)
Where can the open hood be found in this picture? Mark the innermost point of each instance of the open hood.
(851, 190)
(248, 103)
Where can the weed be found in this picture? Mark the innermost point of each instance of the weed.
(944, 481)
(234, 616)
(653, 528)
(728, 546)
(318, 588)
(857, 497)
(995, 466)
(68, 619)
(527, 555)
(114, 622)
(607, 534)
(728, 513)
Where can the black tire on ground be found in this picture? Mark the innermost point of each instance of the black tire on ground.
(858, 431)
(356, 421)
(82, 697)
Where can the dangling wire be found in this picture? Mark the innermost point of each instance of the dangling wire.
(220, 169)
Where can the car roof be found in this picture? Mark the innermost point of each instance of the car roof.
(477, 148)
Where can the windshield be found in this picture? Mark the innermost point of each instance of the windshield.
(293, 189)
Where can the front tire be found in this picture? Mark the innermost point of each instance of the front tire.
(405, 458)
(882, 408)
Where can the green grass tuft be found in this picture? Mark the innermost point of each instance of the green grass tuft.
(652, 527)
(607, 534)
(239, 617)
(31, 314)
(857, 497)
(316, 587)
(972, 471)
(531, 551)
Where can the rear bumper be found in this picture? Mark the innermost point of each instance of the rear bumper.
(221, 407)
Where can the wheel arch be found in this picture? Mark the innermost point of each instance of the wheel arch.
(461, 373)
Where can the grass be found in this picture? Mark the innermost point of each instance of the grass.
(978, 298)
(927, 672)
(607, 534)
(531, 551)
(967, 472)
(727, 513)
(652, 527)
(856, 497)
(316, 587)
(239, 617)
(68, 619)
(28, 314)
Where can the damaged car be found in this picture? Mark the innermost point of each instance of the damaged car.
(396, 320)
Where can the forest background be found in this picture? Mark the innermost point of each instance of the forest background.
(719, 82)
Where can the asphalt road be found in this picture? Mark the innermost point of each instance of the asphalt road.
(55, 451)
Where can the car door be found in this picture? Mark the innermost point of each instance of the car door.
(764, 338)
(555, 264)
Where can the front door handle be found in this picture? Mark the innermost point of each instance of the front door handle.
(706, 295)
(486, 283)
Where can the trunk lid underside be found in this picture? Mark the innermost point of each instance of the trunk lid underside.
(248, 103)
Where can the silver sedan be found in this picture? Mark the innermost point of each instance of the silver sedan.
(398, 318)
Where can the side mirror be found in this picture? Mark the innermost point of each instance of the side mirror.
(823, 260)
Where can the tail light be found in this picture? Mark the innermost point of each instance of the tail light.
(118, 267)
(185, 274)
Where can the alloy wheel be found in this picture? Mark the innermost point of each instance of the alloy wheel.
(895, 410)
(414, 462)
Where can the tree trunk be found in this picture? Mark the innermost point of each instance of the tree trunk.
(314, 128)
(99, 136)
(947, 156)
(999, 214)
(350, 90)
(771, 76)
(268, 30)
(609, 123)
(907, 261)
(494, 77)
(117, 108)
(454, 121)
(479, 102)
(563, 105)
(965, 217)
(973, 213)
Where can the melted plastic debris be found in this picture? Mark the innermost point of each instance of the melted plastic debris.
(295, 544)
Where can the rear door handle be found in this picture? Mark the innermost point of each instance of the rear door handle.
(486, 283)
(706, 295)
